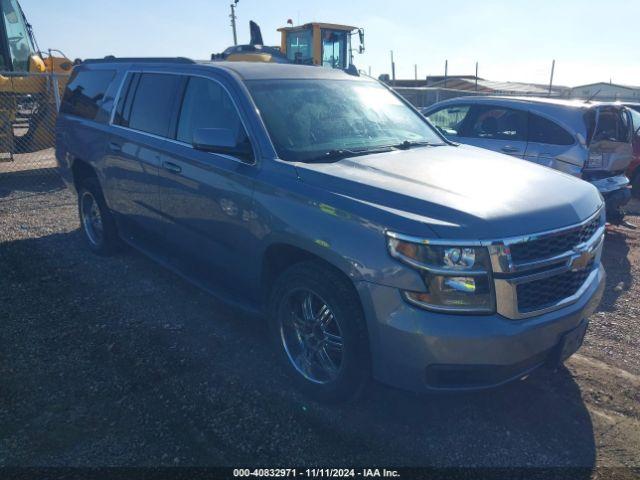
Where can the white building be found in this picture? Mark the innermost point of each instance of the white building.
(606, 91)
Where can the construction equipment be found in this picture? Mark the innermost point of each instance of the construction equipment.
(30, 82)
(322, 44)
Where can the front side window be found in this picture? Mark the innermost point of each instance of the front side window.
(308, 118)
(207, 105)
(85, 92)
(450, 120)
(20, 46)
(299, 47)
(542, 130)
(497, 123)
(334, 48)
(151, 98)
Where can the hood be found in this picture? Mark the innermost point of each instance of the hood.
(460, 192)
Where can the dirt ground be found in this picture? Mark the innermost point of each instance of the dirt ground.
(118, 362)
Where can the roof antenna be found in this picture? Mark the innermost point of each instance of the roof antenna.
(588, 100)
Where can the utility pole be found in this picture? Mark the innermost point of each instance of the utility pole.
(415, 73)
(369, 70)
(393, 70)
(446, 72)
(553, 67)
(233, 21)
(476, 76)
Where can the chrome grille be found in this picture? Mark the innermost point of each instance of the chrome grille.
(554, 244)
(543, 293)
(539, 273)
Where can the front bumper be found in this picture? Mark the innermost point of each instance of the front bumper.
(422, 351)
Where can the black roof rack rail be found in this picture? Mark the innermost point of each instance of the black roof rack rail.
(112, 59)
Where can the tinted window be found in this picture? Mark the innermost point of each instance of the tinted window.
(449, 120)
(154, 97)
(542, 130)
(497, 123)
(207, 105)
(85, 92)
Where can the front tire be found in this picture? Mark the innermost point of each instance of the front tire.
(96, 220)
(319, 330)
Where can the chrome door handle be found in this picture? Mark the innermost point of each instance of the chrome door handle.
(172, 167)
(509, 149)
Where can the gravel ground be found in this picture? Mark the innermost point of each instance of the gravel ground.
(118, 362)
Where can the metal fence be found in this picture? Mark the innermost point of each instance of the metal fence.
(28, 108)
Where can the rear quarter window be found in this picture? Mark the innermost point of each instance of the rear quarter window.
(85, 92)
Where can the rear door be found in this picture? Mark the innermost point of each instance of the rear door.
(552, 145)
(497, 128)
(144, 116)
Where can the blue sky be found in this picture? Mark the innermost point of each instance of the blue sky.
(512, 40)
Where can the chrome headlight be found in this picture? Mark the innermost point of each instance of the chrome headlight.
(457, 278)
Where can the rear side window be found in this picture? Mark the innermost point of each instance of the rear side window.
(147, 102)
(497, 123)
(207, 105)
(85, 92)
(449, 120)
(542, 130)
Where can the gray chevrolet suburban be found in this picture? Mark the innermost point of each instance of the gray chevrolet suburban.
(323, 201)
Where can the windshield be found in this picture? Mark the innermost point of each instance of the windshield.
(306, 119)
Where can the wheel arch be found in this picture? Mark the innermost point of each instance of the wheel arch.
(281, 255)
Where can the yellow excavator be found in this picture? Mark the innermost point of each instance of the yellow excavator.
(27, 93)
(316, 43)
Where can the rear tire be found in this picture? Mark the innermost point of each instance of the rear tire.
(322, 342)
(96, 220)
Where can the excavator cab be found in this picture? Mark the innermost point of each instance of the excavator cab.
(17, 45)
(322, 44)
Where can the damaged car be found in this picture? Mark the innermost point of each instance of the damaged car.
(590, 140)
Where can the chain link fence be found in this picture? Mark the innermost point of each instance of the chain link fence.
(28, 108)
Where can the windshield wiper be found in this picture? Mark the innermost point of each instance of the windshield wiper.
(407, 144)
(337, 154)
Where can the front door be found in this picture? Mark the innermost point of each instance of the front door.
(207, 197)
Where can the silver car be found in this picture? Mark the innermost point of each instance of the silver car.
(590, 140)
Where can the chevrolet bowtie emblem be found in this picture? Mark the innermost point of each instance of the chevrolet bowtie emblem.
(581, 261)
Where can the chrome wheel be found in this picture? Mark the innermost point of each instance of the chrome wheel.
(91, 218)
(311, 336)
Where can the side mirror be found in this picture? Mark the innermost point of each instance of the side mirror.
(221, 140)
